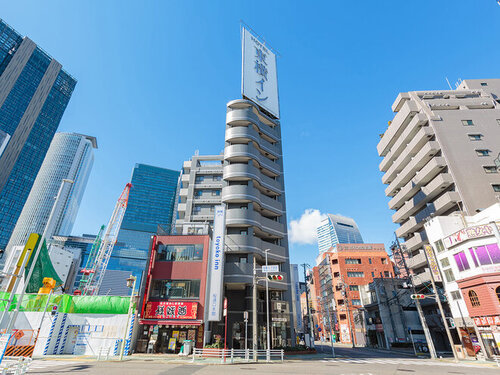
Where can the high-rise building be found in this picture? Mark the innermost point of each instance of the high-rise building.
(440, 155)
(70, 156)
(200, 190)
(337, 229)
(34, 92)
(150, 205)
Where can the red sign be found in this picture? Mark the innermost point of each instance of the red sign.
(171, 310)
(487, 320)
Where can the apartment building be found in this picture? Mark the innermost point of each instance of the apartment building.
(440, 155)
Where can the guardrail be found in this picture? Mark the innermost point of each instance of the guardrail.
(232, 355)
(15, 365)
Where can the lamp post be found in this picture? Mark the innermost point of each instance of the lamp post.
(130, 284)
(267, 306)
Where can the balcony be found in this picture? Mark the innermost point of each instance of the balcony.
(244, 217)
(209, 199)
(421, 278)
(247, 133)
(437, 185)
(417, 261)
(185, 178)
(208, 184)
(239, 243)
(410, 226)
(398, 124)
(242, 172)
(446, 202)
(403, 195)
(244, 152)
(245, 116)
(431, 170)
(244, 193)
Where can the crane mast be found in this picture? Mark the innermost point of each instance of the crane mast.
(101, 260)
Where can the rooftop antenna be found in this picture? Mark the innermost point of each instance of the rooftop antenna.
(449, 81)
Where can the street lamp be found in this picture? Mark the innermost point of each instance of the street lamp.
(130, 284)
(267, 305)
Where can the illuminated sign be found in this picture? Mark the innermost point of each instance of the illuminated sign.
(216, 264)
(259, 81)
(487, 320)
(468, 233)
(171, 310)
(433, 265)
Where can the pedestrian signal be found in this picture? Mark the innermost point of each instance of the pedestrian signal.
(275, 277)
(417, 296)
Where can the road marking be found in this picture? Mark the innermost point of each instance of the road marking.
(409, 362)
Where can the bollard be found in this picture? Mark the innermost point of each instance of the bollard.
(282, 355)
(232, 355)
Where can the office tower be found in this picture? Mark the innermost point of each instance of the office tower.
(440, 155)
(200, 189)
(337, 229)
(150, 205)
(34, 92)
(70, 156)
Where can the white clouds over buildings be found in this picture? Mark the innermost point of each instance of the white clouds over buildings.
(303, 230)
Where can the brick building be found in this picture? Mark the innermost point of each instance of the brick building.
(338, 279)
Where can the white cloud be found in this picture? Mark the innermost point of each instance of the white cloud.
(303, 230)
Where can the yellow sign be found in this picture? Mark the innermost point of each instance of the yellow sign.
(31, 245)
(171, 344)
(175, 334)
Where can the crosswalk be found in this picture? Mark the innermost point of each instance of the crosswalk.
(394, 361)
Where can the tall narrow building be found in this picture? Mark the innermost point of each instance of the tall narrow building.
(200, 188)
(337, 229)
(70, 156)
(441, 154)
(150, 205)
(34, 92)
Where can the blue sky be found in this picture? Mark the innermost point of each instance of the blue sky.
(154, 78)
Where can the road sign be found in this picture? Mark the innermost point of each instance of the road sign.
(274, 268)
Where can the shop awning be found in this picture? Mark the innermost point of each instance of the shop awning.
(173, 322)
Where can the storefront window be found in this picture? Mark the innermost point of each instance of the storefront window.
(461, 261)
(171, 289)
(180, 253)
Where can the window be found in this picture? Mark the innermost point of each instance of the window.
(490, 169)
(342, 316)
(217, 178)
(356, 302)
(180, 253)
(445, 262)
(355, 274)
(475, 137)
(484, 84)
(373, 274)
(483, 152)
(448, 274)
(384, 260)
(496, 188)
(165, 289)
(497, 291)
(199, 179)
(467, 123)
(498, 121)
(455, 295)
(474, 299)
(335, 261)
(484, 255)
(340, 302)
(439, 246)
(198, 193)
(352, 261)
(370, 260)
(215, 193)
(461, 260)
(354, 288)
(387, 274)
(336, 274)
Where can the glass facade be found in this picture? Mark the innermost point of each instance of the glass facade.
(151, 203)
(337, 229)
(20, 163)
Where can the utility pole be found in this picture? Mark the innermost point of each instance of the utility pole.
(254, 312)
(311, 331)
(344, 292)
(428, 338)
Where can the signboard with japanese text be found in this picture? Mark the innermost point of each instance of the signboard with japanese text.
(433, 266)
(259, 81)
(216, 265)
(487, 320)
(171, 310)
(468, 233)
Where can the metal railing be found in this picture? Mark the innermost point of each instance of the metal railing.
(232, 355)
(15, 365)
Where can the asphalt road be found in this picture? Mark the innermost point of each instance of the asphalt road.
(359, 361)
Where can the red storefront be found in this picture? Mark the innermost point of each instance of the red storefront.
(174, 298)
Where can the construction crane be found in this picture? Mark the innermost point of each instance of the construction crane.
(96, 267)
(89, 265)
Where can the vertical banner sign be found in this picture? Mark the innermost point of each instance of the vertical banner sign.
(259, 79)
(431, 259)
(216, 264)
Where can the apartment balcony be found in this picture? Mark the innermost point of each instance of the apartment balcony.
(185, 178)
(244, 217)
(446, 202)
(437, 185)
(248, 133)
(208, 185)
(401, 99)
(409, 133)
(408, 153)
(240, 243)
(207, 169)
(244, 193)
(202, 217)
(431, 170)
(416, 242)
(181, 207)
(421, 278)
(186, 165)
(417, 261)
(246, 116)
(417, 163)
(244, 172)
(243, 151)
(412, 225)
(183, 192)
(403, 195)
(207, 200)
(397, 126)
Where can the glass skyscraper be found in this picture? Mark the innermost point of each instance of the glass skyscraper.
(34, 92)
(337, 229)
(151, 203)
(70, 156)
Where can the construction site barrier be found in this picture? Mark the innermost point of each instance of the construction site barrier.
(232, 355)
(15, 365)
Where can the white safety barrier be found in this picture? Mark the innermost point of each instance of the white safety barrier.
(15, 365)
(497, 359)
(232, 355)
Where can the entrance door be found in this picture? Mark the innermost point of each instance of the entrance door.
(71, 340)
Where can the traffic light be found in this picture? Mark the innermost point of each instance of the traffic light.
(275, 277)
(417, 296)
